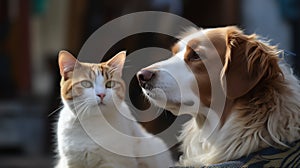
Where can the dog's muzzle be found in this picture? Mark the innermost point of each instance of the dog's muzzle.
(145, 77)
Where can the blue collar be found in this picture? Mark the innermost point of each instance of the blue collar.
(268, 157)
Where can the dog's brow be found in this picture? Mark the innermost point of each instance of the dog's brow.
(193, 43)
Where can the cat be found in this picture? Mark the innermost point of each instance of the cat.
(95, 127)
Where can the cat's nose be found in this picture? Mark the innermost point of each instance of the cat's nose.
(101, 95)
(145, 76)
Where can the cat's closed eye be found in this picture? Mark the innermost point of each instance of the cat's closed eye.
(86, 84)
(110, 84)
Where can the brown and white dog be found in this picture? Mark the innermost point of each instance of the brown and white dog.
(242, 98)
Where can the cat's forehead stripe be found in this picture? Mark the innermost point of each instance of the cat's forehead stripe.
(96, 71)
(92, 74)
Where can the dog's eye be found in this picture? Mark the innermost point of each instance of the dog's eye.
(195, 56)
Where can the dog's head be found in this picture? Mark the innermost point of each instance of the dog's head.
(223, 58)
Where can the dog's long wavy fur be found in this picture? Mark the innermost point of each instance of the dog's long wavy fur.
(268, 115)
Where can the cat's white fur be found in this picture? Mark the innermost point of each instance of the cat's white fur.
(95, 135)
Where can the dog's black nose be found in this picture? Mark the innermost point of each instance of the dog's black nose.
(145, 76)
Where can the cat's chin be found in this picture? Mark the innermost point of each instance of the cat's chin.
(101, 104)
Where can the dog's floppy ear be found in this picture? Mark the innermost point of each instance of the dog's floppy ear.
(247, 61)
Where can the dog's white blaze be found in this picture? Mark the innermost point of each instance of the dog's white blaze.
(182, 49)
(172, 78)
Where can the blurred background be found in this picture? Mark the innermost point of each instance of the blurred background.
(32, 32)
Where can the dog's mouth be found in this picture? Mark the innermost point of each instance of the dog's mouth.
(160, 98)
(161, 95)
(164, 90)
(147, 86)
(154, 90)
(155, 93)
(148, 89)
(145, 79)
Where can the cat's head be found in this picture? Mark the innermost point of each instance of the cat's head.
(90, 84)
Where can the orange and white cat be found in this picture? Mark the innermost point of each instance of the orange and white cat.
(96, 128)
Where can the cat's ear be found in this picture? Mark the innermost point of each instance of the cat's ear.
(66, 62)
(117, 62)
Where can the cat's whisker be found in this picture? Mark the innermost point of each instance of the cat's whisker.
(83, 100)
(59, 108)
(83, 112)
(80, 102)
(83, 106)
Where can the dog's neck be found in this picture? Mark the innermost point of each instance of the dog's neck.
(227, 111)
(213, 116)
(208, 121)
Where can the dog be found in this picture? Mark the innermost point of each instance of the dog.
(242, 96)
